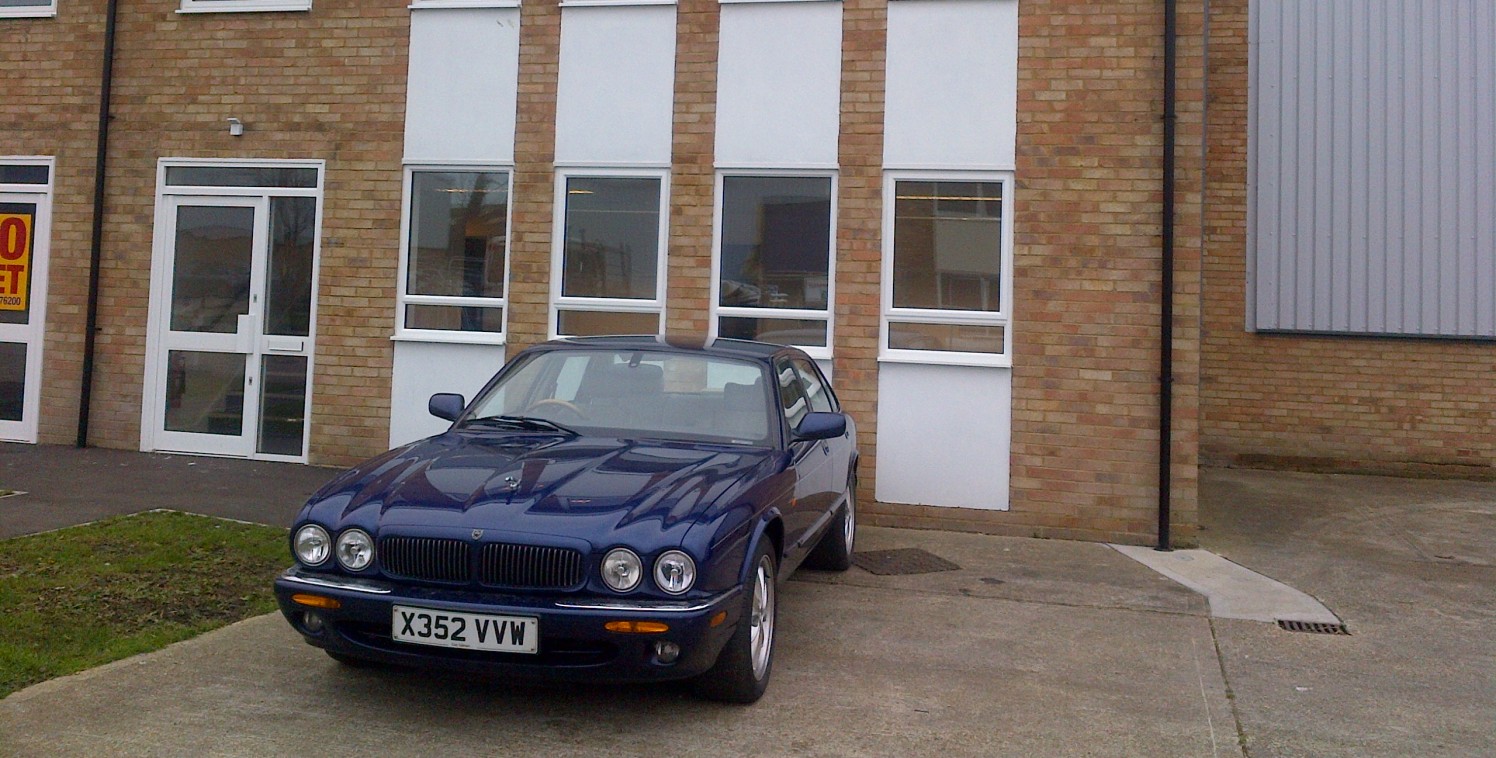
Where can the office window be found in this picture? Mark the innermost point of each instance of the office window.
(456, 262)
(610, 270)
(945, 269)
(774, 260)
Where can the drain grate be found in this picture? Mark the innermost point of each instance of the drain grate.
(1312, 627)
(909, 560)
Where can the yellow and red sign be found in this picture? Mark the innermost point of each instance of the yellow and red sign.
(15, 260)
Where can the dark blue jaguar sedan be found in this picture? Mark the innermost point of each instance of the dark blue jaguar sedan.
(606, 509)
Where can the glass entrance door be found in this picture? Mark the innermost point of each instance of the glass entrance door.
(234, 326)
(23, 252)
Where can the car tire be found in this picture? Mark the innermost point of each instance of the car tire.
(834, 551)
(350, 661)
(741, 673)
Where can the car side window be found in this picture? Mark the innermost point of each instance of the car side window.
(792, 398)
(815, 389)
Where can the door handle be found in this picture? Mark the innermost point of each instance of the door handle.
(244, 332)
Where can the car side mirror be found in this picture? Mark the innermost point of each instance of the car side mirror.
(446, 405)
(821, 426)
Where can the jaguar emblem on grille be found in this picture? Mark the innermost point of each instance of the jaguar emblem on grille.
(477, 534)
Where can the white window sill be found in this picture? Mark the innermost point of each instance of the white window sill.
(24, 12)
(419, 5)
(228, 6)
(939, 358)
(451, 338)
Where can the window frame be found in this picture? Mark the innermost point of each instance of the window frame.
(404, 298)
(573, 303)
(716, 312)
(45, 9)
(243, 6)
(1000, 318)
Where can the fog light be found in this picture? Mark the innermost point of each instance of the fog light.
(312, 622)
(666, 652)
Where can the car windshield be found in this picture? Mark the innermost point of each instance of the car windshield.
(632, 393)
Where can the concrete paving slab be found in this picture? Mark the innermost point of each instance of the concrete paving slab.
(860, 671)
(1234, 592)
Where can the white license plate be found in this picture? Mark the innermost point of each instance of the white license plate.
(469, 631)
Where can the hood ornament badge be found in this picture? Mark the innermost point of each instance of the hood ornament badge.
(477, 534)
(512, 482)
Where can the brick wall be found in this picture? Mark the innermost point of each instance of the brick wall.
(1087, 277)
(329, 85)
(1352, 404)
(49, 74)
(326, 84)
(534, 175)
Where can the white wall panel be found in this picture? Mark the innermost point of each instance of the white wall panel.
(944, 435)
(464, 73)
(779, 84)
(952, 92)
(423, 369)
(1372, 167)
(616, 89)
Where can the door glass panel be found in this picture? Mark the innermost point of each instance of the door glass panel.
(17, 243)
(293, 224)
(241, 176)
(205, 392)
(22, 174)
(282, 404)
(210, 276)
(12, 380)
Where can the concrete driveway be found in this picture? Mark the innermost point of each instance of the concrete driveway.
(1033, 647)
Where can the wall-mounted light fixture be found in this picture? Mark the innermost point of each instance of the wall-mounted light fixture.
(236, 128)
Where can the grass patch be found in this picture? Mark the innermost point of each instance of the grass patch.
(77, 598)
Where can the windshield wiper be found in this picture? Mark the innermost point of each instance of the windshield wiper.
(527, 423)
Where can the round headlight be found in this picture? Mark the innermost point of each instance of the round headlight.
(675, 572)
(312, 545)
(622, 569)
(355, 549)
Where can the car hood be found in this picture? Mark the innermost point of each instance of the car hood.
(582, 487)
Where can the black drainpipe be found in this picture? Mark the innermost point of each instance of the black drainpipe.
(1166, 317)
(96, 254)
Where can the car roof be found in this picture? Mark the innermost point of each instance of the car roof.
(720, 346)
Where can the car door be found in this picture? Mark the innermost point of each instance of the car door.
(809, 458)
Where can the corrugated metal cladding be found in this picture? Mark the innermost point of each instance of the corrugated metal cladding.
(1372, 187)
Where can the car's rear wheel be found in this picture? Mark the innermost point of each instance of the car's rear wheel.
(834, 551)
(741, 673)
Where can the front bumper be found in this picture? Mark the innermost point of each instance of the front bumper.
(573, 643)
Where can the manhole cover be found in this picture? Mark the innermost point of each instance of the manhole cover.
(909, 560)
(1313, 627)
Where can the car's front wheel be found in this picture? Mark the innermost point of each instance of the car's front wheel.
(741, 673)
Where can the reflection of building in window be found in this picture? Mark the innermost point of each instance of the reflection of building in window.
(775, 253)
(612, 237)
(948, 245)
(458, 243)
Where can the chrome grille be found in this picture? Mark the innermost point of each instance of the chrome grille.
(427, 559)
(531, 566)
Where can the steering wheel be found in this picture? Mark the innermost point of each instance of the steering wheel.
(559, 403)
